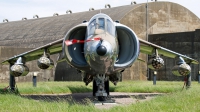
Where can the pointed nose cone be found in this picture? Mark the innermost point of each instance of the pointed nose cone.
(101, 50)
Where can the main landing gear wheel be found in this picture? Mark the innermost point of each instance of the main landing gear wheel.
(95, 88)
(107, 87)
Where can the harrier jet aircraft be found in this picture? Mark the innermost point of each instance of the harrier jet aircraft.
(101, 49)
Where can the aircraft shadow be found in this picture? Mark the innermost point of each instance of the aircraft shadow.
(82, 89)
(83, 98)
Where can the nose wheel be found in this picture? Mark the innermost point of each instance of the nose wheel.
(101, 87)
(102, 98)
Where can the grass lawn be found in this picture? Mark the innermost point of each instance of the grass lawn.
(176, 99)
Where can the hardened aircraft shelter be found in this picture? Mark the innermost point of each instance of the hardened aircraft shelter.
(159, 23)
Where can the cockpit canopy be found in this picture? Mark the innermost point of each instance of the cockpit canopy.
(101, 23)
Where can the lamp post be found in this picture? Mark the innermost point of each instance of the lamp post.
(147, 21)
(147, 8)
(154, 77)
(147, 39)
(199, 76)
(35, 79)
(147, 36)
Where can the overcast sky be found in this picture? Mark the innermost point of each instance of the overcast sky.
(15, 10)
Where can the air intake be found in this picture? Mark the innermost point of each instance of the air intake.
(55, 14)
(24, 18)
(133, 2)
(5, 20)
(91, 9)
(35, 16)
(68, 11)
(107, 6)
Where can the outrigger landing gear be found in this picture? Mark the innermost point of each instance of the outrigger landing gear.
(12, 82)
(101, 87)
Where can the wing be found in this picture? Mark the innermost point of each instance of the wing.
(52, 48)
(128, 40)
(149, 48)
(75, 34)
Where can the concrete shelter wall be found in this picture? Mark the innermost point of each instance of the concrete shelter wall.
(163, 17)
(187, 43)
(7, 52)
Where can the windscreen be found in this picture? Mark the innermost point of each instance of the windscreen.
(91, 27)
(110, 28)
(104, 24)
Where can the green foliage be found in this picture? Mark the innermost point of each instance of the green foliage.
(148, 87)
(12, 103)
(7, 90)
(181, 101)
(52, 87)
(175, 99)
(79, 87)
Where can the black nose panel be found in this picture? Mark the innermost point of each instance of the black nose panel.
(101, 50)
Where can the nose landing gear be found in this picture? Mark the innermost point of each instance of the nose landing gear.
(101, 87)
